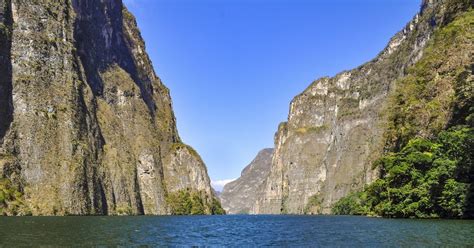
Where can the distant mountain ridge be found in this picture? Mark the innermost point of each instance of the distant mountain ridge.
(239, 196)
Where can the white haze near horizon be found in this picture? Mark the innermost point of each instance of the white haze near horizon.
(219, 184)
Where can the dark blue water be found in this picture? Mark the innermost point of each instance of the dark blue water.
(234, 231)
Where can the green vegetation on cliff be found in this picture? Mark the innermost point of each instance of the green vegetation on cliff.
(429, 172)
(353, 204)
(437, 89)
(190, 202)
(314, 205)
(426, 179)
(11, 200)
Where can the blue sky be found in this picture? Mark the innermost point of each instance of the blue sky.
(233, 66)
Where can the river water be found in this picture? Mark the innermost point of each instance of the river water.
(237, 230)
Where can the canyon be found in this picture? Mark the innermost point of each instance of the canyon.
(340, 126)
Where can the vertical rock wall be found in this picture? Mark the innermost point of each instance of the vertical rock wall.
(86, 125)
(239, 196)
(335, 128)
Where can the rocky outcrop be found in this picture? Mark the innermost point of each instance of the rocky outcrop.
(185, 170)
(86, 127)
(337, 127)
(239, 196)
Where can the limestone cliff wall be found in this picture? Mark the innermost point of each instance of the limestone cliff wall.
(335, 128)
(86, 126)
(239, 196)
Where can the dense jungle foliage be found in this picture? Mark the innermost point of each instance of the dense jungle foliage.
(189, 202)
(429, 171)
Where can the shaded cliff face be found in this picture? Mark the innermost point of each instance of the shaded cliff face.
(86, 126)
(338, 126)
(239, 196)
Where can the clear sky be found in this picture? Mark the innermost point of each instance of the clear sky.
(233, 66)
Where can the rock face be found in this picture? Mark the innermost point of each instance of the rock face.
(336, 127)
(239, 196)
(86, 127)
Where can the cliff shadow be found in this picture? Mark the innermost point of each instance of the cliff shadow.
(6, 101)
(104, 44)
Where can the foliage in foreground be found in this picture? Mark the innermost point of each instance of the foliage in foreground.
(11, 200)
(426, 179)
(353, 204)
(190, 202)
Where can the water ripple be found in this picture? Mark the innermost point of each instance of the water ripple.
(239, 230)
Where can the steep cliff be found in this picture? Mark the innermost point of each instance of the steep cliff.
(338, 126)
(86, 127)
(239, 196)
